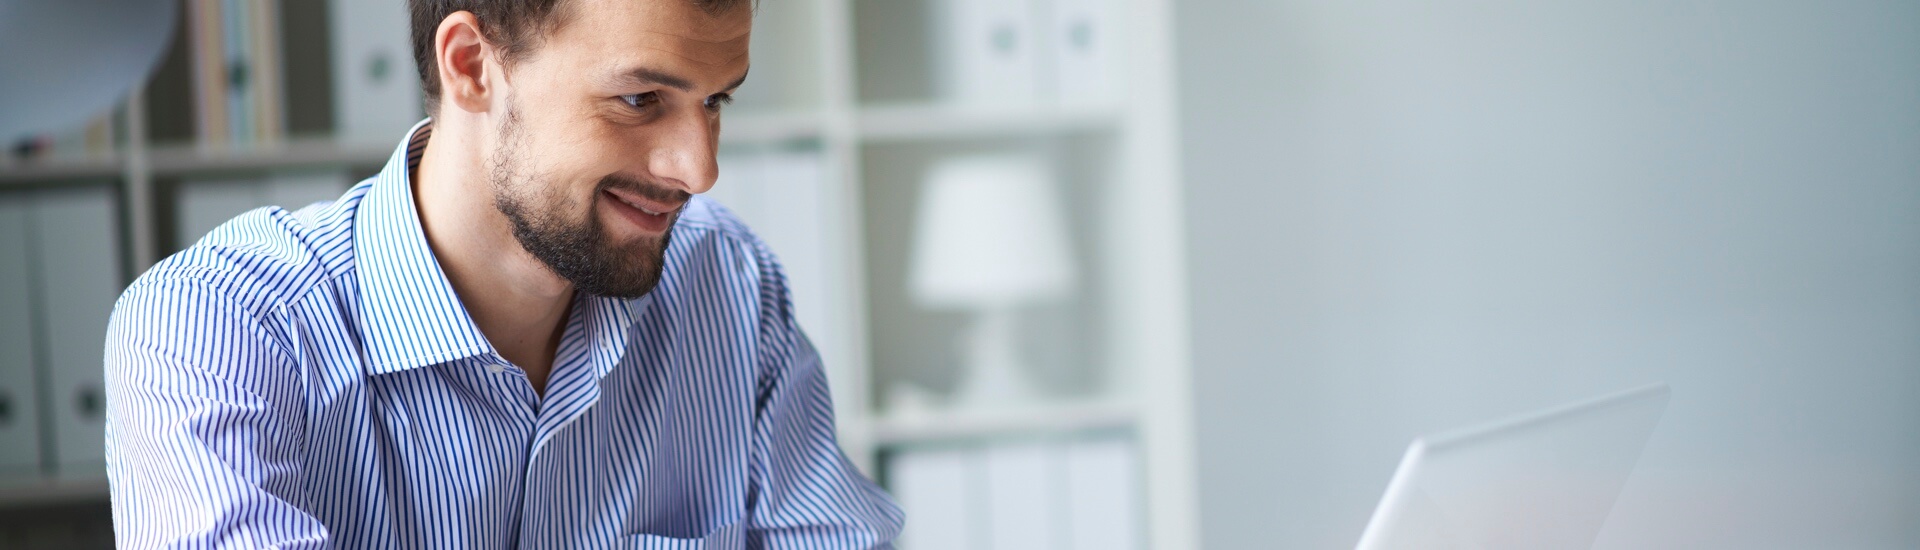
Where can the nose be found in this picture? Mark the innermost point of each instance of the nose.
(683, 153)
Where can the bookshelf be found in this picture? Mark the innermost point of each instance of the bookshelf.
(848, 81)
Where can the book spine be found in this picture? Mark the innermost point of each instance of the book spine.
(209, 72)
(269, 96)
(238, 51)
(100, 135)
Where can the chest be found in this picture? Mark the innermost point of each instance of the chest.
(655, 439)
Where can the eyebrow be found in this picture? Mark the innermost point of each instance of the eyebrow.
(663, 78)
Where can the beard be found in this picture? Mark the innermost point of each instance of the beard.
(579, 251)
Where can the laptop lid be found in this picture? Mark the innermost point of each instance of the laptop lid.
(1542, 480)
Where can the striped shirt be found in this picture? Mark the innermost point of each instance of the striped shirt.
(308, 379)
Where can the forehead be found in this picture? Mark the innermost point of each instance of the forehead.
(675, 32)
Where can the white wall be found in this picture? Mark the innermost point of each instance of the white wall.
(1411, 215)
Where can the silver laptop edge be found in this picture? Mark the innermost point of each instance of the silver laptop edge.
(1619, 424)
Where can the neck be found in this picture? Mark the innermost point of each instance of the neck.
(516, 301)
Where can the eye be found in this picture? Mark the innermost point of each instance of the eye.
(641, 101)
(716, 101)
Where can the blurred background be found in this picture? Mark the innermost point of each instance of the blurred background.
(1258, 246)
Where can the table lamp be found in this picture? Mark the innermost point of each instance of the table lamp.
(990, 237)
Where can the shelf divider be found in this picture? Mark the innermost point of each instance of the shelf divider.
(901, 122)
(1040, 419)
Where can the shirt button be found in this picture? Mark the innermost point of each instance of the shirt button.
(496, 368)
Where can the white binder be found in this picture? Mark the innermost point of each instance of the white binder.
(1023, 502)
(376, 90)
(1082, 45)
(936, 488)
(19, 386)
(78, 268)
(986, 53)
(1103, 491)
(1081, 494)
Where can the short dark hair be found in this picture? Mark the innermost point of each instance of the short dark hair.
(516, 26)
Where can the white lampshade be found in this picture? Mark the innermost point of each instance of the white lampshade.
(990, 232)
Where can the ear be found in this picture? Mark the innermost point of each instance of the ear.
(461, 52)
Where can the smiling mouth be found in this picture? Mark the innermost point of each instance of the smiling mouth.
(648, 202)
(646, 215)
(642, 207)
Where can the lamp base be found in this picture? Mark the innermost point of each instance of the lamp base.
(993, 377)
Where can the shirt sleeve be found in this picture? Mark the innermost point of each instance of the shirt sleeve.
(204, 416)
(806, 495)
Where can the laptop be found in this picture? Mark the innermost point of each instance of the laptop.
(1545, 480)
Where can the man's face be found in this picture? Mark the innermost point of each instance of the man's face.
(607, 128)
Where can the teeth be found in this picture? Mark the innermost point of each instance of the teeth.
(649, 211)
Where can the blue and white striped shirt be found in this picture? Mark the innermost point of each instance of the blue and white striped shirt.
(308, 379)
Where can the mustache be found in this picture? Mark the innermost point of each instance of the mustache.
(651, 190)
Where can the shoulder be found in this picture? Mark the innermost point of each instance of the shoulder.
(708, 232)
(260, 259)
(219, 307)
(706, 219)
(712, 245)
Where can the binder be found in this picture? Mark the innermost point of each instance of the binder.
(206, 24)
(1077, 494)
(1023, 501)
(78, 270)
(268, 81)
(376, 88)
(241, 69)
(937, 489)
(19, 380)
(1082, 47)
(986, 53)
(1102, 484)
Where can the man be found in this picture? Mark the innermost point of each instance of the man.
(524, 332)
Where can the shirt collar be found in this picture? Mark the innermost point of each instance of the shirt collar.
(413, 319)
(610, 322)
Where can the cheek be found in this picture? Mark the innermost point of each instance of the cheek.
(613, 148)
(554, 179)
(570, 152)
(567, 156)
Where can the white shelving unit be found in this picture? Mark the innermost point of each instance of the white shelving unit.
(1131, 183)
(807, 90)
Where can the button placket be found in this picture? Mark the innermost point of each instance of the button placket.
(513, 388)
